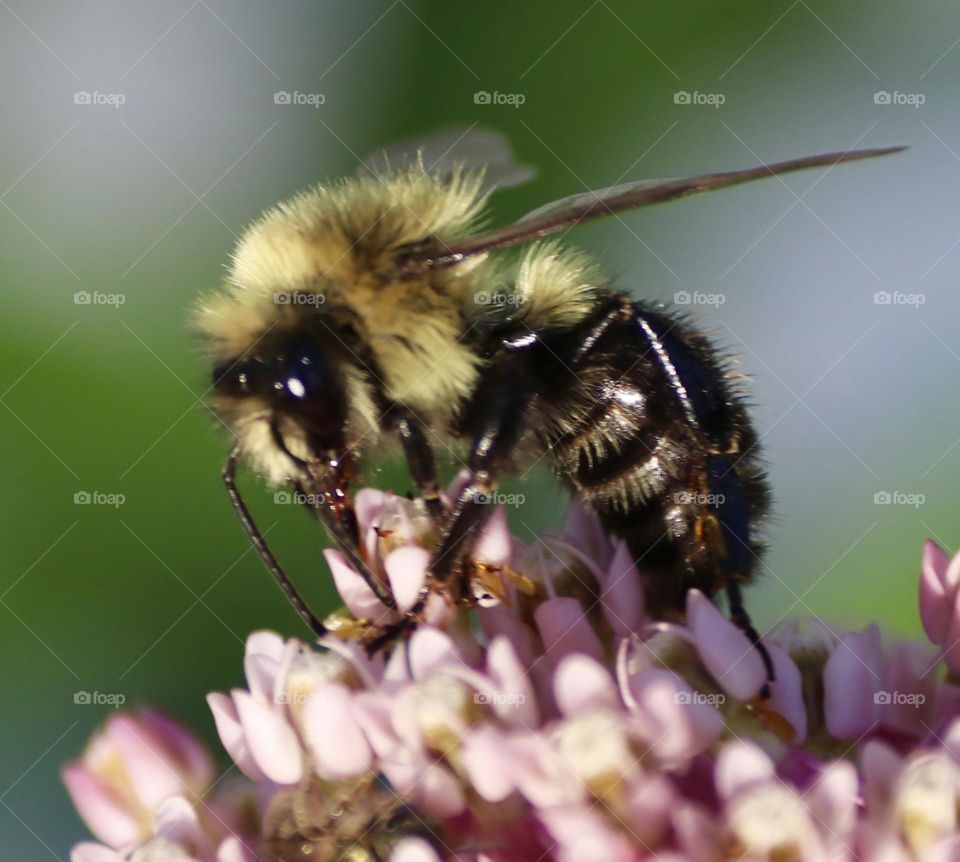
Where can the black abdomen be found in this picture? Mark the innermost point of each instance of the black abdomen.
(650, 430)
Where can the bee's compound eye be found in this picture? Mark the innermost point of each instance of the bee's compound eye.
(235, 377)
(303, 372)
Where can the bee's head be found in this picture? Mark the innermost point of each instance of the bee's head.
(299, 385)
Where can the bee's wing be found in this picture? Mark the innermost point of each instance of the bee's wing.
(571, 211)
(467, 147)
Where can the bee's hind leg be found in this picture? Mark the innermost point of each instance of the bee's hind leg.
(740, 618)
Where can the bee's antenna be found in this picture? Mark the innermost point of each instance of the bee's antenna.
(260, 544)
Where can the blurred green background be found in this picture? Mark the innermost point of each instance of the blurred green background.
(152, 599)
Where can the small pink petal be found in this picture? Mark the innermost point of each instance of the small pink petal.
(833, 801)
(852, 676)
(266, 643)
(374, 714)
(740, 766)
(786, 693)
(511, 677)
(339, 746)
(231, 734)
(672, 722)
(724, 650)
(881, 767)
(176, 821)
(153, 775)
(357, 596)
(541, 774)
(494, 545)
(584, 531)
(368, 504)
(622, 594)
(106, 817)
(581, 684)
(936, 602)
(429, 649)
(487, 763)
(190, 754)
(233, 849)
(413, 850)
(272, 741)
(565, 629)
(90, 852)
(406, 569)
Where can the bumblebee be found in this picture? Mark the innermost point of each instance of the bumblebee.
(375, 309)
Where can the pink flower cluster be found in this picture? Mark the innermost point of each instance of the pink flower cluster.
(554, 721)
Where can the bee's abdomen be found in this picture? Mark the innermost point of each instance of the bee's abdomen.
(657, 441)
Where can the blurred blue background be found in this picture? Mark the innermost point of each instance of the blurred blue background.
(137, 206)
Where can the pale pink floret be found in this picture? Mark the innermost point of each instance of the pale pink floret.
(940, 601)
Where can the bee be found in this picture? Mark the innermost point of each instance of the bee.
(376, 309)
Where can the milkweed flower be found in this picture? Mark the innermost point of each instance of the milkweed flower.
(552, 720)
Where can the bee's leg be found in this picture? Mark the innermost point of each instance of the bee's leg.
(261, 547)
(495, 421)
(332, 508)
(420, 462)
(740, 617)
(341, 525)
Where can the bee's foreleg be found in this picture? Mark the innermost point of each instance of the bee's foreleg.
(261, 547)
(420, 461)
